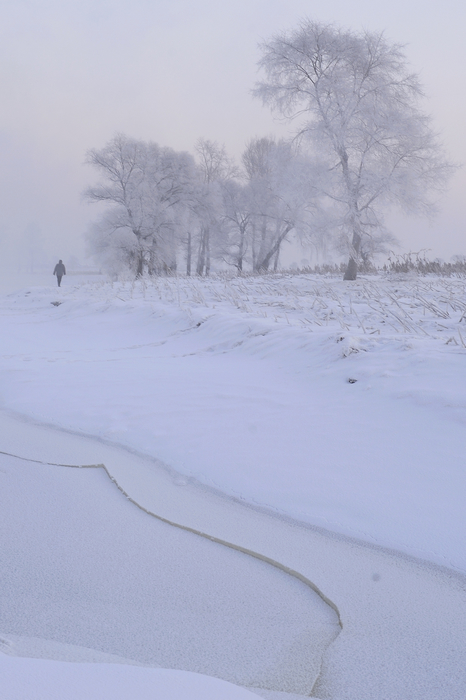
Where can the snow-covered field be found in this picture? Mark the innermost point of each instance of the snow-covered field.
(332, 413)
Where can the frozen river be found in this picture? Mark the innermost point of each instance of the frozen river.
(84, 566)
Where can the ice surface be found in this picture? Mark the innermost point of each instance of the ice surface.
(82, 565)
(40, 648)
(403, 622)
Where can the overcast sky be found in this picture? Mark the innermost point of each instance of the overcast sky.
(75, 72)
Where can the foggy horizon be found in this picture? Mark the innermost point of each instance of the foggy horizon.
(75, 74)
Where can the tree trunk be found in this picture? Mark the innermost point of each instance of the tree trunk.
(201, 256)
(261, 255)
(140, 264)
(207, 253)
(351, 271)
(189, 255)
(153, 267)
(239, 263)
(253, 246)
(263, 265)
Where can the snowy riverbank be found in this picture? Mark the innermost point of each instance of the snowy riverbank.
(245, 385)
(242, 386)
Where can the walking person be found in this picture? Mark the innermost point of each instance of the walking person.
(59, 271)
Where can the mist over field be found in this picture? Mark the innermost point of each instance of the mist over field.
(76, 73)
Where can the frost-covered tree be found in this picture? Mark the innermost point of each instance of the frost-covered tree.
(215, 168)
(282, 197)
(237, 221)
(148, 189)
(358, 104)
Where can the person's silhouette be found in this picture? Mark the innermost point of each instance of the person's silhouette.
(59, 271)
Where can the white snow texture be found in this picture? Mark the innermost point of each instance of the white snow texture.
(284, 529)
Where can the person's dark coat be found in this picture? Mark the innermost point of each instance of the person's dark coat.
(59, 269)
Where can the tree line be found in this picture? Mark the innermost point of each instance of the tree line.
(361, 144)
(166, 207)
